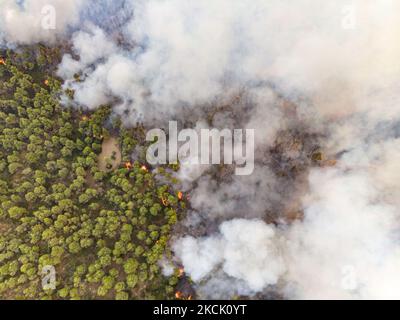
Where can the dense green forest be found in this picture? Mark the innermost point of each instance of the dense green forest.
(104, 231)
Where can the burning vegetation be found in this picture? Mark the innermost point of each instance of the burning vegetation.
(128, 165)
(75, 189)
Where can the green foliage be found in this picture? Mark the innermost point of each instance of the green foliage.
(104, 232)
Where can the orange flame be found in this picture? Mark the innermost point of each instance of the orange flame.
(46, 82)
(2, 61)
(181, 272)
(189, 298)
(128, 165)
(144, 168)
(178, 295)
(180, 195)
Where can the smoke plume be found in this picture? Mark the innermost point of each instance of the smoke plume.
(319, 83)
(26, 21)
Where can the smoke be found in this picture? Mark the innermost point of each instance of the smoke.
(90, 46)
(245, 250)
(32, 21)
(347, 245)
(319, 84)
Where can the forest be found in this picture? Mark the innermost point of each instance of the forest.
(104, 228)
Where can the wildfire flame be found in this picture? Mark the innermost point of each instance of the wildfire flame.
(144, 168)
(181, 296)
(181, 272)
(180, 195)
(46, 82)
(2, 61)
(178, 295)
(128, 165)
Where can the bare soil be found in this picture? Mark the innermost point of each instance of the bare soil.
(110, 146)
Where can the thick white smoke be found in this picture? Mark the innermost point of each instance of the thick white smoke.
(253, 64)
(302, 47)
(31, 21)
(349, 234)
(346, 247)
(247, 250)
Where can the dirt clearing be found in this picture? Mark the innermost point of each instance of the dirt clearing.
(110, 156)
